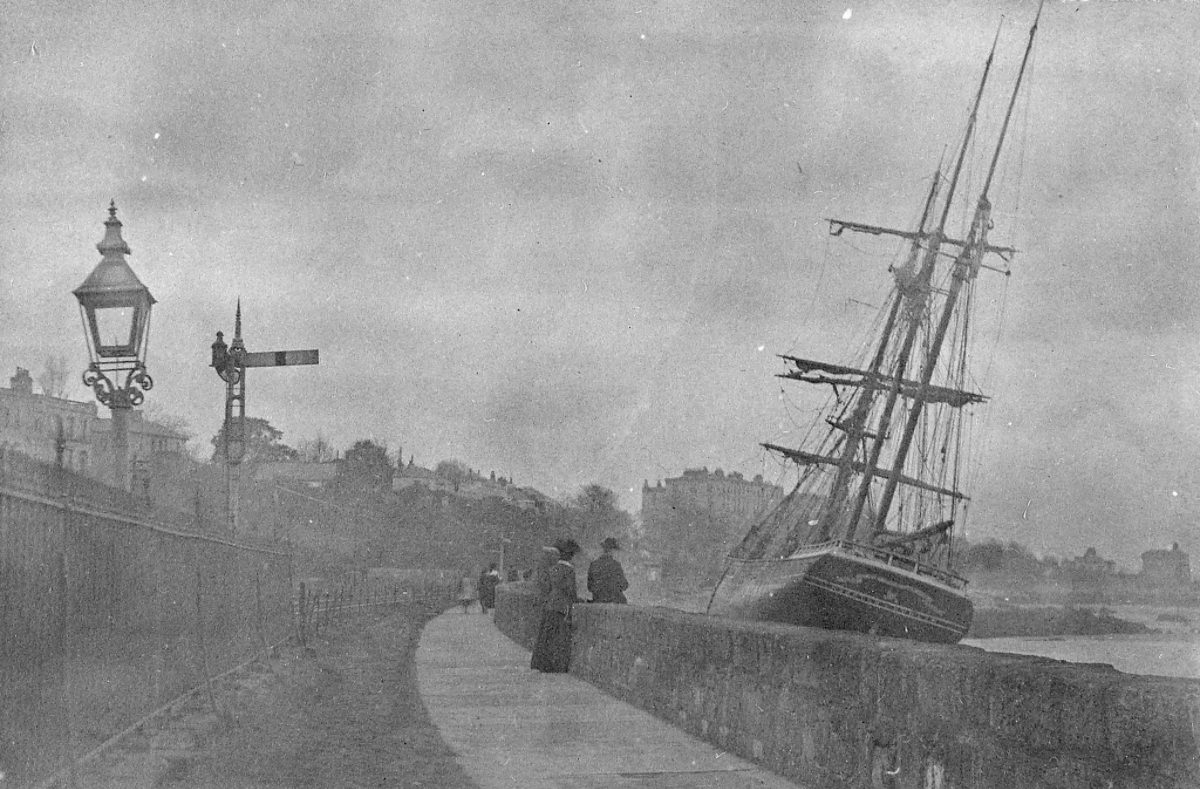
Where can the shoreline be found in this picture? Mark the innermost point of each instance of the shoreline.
(1027, 619)
(1055, 620)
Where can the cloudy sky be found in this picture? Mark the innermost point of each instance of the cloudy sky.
(564, 241)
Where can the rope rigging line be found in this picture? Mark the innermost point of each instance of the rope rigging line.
(1024, 131)
(962, 373)
(813, 294)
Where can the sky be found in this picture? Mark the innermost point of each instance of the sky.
(564, 242)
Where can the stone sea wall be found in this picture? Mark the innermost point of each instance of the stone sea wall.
(832, 709)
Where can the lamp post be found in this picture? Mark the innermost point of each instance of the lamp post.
(115, 308)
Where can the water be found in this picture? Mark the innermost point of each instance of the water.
(1157, 655)
(1173, 652)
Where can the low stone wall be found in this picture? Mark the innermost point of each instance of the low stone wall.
(831, 709)
(517, 612)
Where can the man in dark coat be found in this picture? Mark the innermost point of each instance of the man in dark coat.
(606, 578)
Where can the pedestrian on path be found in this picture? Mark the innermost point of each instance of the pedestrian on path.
(468, 592)
(606, 578)
(487, 588)
(552, 651)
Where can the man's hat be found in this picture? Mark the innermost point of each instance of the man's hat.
(610, 542)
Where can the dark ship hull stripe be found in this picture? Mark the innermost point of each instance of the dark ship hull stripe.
(833, 590)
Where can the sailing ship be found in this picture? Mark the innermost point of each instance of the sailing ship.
(864, 540)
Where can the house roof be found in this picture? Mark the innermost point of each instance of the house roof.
(296, 471)
(415, 472)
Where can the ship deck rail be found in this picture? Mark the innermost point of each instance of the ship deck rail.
(887, 557)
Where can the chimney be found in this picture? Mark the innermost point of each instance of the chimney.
(22, 382)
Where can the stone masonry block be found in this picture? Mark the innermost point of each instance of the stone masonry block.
(822, 707)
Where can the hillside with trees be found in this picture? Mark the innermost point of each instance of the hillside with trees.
(338, 511)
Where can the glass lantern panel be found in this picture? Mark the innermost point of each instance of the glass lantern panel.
(115, 326)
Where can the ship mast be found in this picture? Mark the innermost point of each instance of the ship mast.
(966, 267)
(911, 292)
(917, 302)
(856, 428)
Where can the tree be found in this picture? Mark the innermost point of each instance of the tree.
(367, 466)
(453, 470)
(995, 557)
(318, 450)
(153, 412)
(263, 443)
(596, 498)
(53, 379)
(596, 515)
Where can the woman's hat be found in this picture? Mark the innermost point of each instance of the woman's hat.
(610, 542)
(567, 548)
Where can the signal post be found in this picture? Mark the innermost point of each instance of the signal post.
(230, 362)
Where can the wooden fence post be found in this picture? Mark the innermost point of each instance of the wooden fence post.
(258, 611)
(64, 646)
(200, 639)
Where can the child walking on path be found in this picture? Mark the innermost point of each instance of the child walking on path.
(467, 592)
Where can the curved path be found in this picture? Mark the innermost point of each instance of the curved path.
(514, 727)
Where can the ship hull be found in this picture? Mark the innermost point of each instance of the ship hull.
(836, 587)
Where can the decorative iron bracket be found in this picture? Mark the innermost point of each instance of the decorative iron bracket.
(131, 393)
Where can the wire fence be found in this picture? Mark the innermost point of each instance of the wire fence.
(111, 606)
(316, 608)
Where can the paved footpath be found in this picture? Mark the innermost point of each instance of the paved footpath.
(515, 727)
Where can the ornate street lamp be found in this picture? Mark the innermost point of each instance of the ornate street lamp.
(115, 308)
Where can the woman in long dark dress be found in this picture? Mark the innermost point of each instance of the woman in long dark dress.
(552, 652)
(487, 588)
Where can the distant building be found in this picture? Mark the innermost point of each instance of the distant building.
(473, 486)
(296, 472)
(1089, 568)
(477, 488)
(413, 476)
(529, 499)
(29, 423)
(1166, 568)
(730, 498)
(146, 438)
(690, 522)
